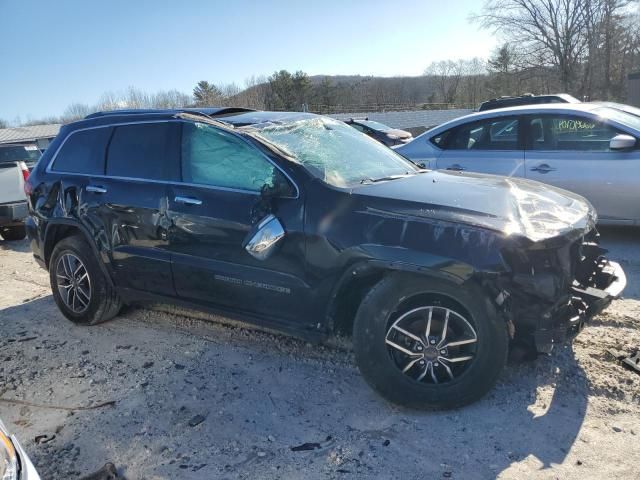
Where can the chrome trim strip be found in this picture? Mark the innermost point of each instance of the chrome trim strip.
(168, 182)
(187, 200)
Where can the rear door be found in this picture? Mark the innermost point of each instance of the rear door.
(131, 203)
(489, 146)
(114, 182)
(216, 210)
(572, 152)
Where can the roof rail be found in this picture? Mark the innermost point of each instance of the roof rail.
(208, 111)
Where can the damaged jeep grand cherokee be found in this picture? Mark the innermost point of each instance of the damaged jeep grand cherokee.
(300, 223)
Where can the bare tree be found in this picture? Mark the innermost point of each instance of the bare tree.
(76, 111)
(552, 30)
(447, 75)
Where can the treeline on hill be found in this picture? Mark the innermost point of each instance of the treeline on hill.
(583, 47)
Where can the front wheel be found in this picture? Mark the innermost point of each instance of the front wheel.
(427, 343)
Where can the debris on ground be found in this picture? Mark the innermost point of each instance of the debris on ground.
(197, 420)
(633, 361)
(108, 472)
(306, 446)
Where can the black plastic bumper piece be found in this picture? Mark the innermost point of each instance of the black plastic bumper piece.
(584, 304)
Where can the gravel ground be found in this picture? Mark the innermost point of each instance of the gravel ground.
(201, 399)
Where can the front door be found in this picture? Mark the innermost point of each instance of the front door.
(215, 213)
(572, 152)
(487, 146)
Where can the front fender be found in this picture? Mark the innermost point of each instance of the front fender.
(362, 274)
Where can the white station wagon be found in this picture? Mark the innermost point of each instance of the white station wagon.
(590, 149)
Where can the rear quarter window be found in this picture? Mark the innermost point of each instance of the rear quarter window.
(83, 152)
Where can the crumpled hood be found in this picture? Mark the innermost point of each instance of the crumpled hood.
(512, 206)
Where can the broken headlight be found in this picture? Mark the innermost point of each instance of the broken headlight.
(8, 458)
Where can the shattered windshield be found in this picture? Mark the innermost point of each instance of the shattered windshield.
(336, 153)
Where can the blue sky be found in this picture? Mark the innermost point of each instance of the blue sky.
(58, 52)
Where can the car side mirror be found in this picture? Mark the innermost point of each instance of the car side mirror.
(261, 241)
(622, 142)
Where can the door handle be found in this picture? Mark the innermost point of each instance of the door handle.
(542, 168)
(188, 200)
(96, 189)
(456, 167)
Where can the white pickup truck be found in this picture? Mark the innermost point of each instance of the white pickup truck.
(15, 161)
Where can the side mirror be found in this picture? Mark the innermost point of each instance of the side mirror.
(263, 238)
(622, 142)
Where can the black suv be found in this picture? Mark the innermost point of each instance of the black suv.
(526, 99)
(297, 222)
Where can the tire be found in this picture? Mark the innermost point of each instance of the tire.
(15, 232)
(95, 300)
(406, 298)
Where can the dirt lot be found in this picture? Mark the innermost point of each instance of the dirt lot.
(195, 399)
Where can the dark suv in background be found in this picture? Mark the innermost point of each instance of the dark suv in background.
(526, 99)
(300, 223)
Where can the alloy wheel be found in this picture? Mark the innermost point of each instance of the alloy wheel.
(73, 282)
(432, 344)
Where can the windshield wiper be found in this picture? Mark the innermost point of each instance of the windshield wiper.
(383, 179)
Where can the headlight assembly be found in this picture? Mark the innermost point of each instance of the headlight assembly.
(8, 458)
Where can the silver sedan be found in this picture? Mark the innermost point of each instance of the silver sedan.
(590, 149)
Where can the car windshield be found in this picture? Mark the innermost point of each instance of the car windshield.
(334, 152)
(619, 116)
(375, 125)
(19, 153)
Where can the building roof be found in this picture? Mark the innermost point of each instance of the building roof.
(28, 134)
(408, 119)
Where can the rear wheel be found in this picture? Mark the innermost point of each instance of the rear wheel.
(14, 232)
(80, 288)
(428, 343)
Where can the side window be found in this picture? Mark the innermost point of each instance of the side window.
(360, 128)
(440, 140)
(83, 152)
(213, 157)
(145, 150)
(492, 134)
(567, 133)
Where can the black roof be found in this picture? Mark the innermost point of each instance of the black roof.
(231, 115)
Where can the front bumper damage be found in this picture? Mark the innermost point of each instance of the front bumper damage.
(562, 289)
(585, 303)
